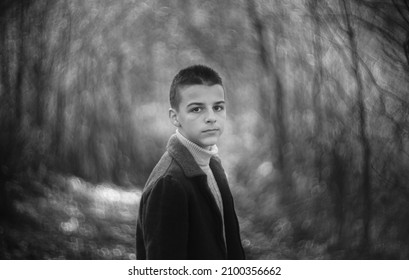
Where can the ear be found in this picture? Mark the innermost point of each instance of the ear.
(173, 117)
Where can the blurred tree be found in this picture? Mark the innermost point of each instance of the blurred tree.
(272, 98)
(61, 92)
(21, 57)
(366, 184)
(6, 100)
(317, 82)
(40, 61)
(13, 17)
(390, 26)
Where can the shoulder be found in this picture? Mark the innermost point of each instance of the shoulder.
(165, 188)
(166, 172)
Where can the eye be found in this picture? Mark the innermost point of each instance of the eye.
(196, 109)
(218, 108)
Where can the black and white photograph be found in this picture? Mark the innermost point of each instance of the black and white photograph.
(204, 130)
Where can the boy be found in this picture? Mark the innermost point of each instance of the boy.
(186, 210)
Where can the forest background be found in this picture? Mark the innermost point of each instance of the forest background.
(316, 147)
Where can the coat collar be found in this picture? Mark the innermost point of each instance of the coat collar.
(183, 157)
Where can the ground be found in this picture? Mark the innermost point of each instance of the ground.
(68, 218)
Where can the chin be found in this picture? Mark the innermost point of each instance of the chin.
(209, 142)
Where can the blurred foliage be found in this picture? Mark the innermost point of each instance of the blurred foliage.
(316, 146)
(68, 218)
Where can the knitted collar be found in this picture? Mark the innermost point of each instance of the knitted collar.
(185, 159)
(201, 155)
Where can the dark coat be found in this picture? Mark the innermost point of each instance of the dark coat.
(178, 215)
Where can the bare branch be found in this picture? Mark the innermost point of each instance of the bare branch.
(400, 12)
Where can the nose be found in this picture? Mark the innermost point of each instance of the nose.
(210, 117)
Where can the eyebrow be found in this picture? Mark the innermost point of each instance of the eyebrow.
(201, 104)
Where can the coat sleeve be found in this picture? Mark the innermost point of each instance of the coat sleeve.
(166, 221)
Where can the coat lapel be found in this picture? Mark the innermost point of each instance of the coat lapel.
(220, 176)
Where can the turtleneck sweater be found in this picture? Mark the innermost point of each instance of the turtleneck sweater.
(202, 158)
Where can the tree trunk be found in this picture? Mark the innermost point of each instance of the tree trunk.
(363, 137)
(272, 101)
(316, 85)
(20, 65)
(60, 123)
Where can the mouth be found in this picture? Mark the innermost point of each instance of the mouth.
(210, 130)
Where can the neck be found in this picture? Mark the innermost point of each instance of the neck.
(201, 155)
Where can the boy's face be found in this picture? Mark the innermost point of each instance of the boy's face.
(201, 114)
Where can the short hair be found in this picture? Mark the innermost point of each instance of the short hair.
(192, 75)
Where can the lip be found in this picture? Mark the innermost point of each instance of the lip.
(211, 130)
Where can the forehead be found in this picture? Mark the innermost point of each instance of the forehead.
(201, 93)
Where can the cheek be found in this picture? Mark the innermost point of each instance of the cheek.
(222, 121)
(222, 116)
(193, 117)
(190, 122)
